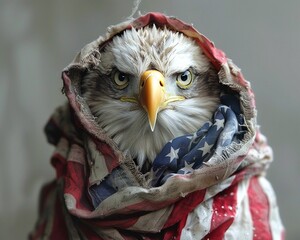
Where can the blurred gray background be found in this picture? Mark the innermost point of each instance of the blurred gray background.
(39, 38)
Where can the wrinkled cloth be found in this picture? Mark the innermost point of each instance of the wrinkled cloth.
(206, 185)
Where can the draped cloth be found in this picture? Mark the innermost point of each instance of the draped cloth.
(209, 184)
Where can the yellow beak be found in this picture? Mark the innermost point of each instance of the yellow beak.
(152, 94)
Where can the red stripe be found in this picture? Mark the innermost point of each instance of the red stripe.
(180, 213)
(259, 208)
(59, 163)
(76, 186)
(224, 211)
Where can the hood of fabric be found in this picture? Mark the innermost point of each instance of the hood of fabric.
(229, 76)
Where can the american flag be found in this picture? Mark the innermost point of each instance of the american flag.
(206, 185)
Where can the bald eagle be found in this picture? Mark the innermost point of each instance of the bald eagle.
(158, 140)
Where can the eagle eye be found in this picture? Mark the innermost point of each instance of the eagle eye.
(120, 79)
(184, 79)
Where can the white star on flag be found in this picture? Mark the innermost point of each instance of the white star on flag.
(219, 123)
(205, 149)
(173, 154)
(188, 167)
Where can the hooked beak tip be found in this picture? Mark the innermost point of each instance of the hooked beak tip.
(152, 124)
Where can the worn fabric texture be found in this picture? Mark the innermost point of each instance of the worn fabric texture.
(206, 185)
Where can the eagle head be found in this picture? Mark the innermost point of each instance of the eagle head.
(151, 85)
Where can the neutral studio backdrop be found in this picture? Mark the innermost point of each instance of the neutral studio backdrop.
(39, 38)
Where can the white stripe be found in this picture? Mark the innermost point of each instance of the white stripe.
(274, 217)
(242, 226)
(198, 222)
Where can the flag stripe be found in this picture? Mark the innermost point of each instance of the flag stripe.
(185, 206)
(274, 218)
(259, 208)
(198, 223)
(223, 211)
(241, 227)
